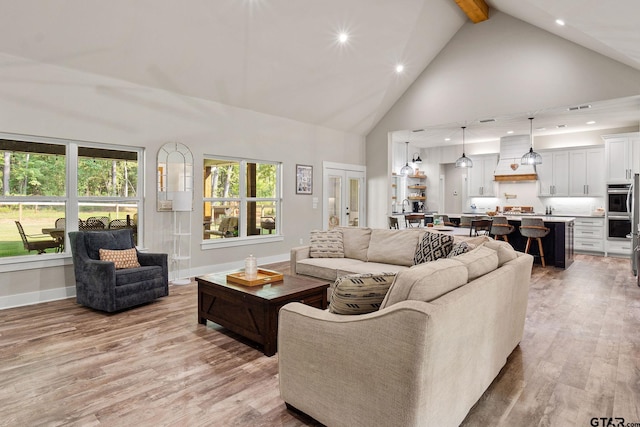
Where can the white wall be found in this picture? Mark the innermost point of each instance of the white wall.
(494, 68)
(44, 100)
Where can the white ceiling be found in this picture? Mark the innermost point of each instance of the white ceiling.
(281, 57)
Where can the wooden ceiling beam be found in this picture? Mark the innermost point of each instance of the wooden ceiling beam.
(476, 10)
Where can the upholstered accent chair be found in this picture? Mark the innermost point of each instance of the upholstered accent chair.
(101, 286)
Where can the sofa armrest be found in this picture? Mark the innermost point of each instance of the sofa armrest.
(354, 370)
(298, 253)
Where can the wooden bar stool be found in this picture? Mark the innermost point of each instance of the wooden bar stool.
(533, 228)
(500, 228)
(393, 223)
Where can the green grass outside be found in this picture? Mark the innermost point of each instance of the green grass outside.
(33, 221)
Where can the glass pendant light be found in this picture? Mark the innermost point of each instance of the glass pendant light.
(406, 169)
(531, 157)
(464, 161)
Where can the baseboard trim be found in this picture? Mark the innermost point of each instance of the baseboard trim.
(29, 298)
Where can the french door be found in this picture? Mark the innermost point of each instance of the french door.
(343, 194)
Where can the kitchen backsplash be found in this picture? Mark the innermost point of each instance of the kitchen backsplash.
(521, 194)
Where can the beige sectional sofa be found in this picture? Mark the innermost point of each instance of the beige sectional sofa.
(366, 250)
(440, 337)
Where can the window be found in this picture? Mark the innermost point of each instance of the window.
(51, 186)
(241, 198)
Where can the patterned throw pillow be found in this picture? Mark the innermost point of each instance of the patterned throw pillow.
(460, 248)
(360, 293)
(433, 246)
(326, 244)
(127, 258)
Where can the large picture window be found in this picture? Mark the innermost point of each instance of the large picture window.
(241, 198)
(50, 187)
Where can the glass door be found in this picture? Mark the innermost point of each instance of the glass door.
(344, 197)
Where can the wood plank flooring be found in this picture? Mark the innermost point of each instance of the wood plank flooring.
(63, 364)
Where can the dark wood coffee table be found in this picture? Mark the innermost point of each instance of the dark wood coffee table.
(252, 311)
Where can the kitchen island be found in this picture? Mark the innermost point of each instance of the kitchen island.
(558, 244)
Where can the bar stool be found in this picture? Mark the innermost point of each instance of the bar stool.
(533, 228)
(413, 220)
(500, 228)
(393, 222)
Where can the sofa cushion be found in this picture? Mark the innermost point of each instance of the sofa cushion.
(326, 268)
(326, 244)
(356, 242)
(479, 261)
(126, 258)
(505, 251)
(392, 246)
(460, 248)
(359, 293)
(426, 282)
(371, 267)
(138, 275)
(433, 246)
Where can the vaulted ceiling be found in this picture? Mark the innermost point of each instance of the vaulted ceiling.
(282, 57)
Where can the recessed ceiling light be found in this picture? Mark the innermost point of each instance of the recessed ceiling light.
(447, 139)
(541, 128)
(560, 22)
(591, 122)
(343, 37)
(509, 132)
(399, 68)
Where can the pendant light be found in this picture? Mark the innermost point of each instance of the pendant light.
(464, 161)
(531, 157)
(406, 169)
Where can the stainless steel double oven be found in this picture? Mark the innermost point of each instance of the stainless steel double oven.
(619, 204)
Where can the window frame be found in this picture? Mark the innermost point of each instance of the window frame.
(71, 199)
(243, 200)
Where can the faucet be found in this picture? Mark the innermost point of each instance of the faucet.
(408, 203)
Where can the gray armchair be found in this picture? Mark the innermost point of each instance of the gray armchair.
(99, 285)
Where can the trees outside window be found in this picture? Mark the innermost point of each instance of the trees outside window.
(241, 198)
(37, 176)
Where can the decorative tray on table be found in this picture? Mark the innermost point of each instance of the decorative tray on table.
(263, 277)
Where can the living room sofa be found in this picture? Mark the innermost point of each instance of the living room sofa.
(366, 250)
(441, 335)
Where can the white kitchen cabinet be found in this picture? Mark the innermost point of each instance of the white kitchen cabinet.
(553, 173)
(589, 235)
(586, 172)
(618, 247)
(622, 153)
(481, 181)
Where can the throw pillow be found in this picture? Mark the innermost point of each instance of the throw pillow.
(127, 258)
(360, 293)
(459, 249)
(326, 244)
(432, 247)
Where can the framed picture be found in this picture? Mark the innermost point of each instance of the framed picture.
(304, 179)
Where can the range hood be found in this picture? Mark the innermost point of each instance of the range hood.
(509, 168)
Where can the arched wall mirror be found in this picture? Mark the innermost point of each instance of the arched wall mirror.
(175, 177)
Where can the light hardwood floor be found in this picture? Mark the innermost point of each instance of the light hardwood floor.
(62, 364)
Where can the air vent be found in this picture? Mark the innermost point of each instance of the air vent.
(418, 130)
(561, 126)
(487, 120)
(579, 107)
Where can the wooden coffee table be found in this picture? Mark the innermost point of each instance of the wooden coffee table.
(252, 311)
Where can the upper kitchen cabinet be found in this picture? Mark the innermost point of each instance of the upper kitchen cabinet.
(587, 174)
(481, 183)
(622, 153)
(553, 173)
